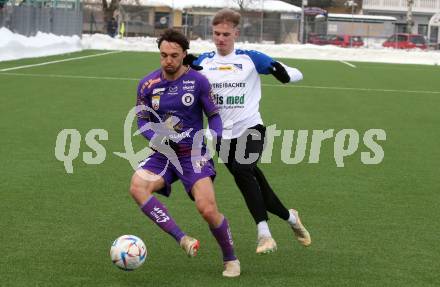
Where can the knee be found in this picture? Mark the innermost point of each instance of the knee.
(209, 212)
(140, 189)
(135, 189)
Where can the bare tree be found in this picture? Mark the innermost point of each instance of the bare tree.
(409, 16)
(244, 4)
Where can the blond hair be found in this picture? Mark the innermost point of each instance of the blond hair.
(226, 15)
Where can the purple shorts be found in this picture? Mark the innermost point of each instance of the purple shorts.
(193, 169)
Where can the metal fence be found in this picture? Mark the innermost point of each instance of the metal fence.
(70, 17)
(135, 18)
(29, 17)
(145, 21)
(252, 29)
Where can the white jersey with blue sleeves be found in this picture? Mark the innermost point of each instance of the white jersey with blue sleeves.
(236, 85)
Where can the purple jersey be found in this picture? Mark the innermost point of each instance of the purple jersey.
(179, 104)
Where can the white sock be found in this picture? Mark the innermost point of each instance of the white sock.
(263, 229)
(292, 218)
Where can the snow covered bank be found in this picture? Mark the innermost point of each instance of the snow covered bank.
(14, 46)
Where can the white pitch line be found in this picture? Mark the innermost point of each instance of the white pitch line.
(70, 77)
(58, 61)
(353, 89)
(265, 85)
(348, 64)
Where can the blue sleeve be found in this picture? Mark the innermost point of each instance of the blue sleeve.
(262, 62)
(202, 57)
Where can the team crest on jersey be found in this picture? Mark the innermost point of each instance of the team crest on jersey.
(155, 102)
(188, 99)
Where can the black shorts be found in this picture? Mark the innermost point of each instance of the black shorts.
(246, 149)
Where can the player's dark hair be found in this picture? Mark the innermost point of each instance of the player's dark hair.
(174, 36)
(226, 15)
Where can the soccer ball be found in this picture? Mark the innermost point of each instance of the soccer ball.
(128, 252)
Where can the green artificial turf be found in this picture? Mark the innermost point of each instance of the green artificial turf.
(371, 225)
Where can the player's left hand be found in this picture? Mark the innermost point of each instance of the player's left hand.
(189, 60)
(280, 73)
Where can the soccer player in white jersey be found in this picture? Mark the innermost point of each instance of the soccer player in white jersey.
(235, 81)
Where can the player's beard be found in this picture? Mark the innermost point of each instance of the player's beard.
(171, 71)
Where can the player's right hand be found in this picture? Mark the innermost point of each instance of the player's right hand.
(189, 61)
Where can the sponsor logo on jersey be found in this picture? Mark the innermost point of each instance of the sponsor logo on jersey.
(188, 88)
(227, 67)
(173, 89)
(228, 85)
(221, 68)
(182, 135)
(155, 102)
(189, 82)
(188, 99)
(158, 91)
(229, 102)
(235, 100)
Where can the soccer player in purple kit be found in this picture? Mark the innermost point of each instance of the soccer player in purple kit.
(176, 96)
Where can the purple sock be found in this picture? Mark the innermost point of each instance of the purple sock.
(157, 212)
(224, 238)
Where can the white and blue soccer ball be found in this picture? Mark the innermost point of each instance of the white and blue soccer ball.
(128, 252)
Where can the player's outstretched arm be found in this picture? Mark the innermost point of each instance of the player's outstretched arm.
(285, 74)
(266, 65)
